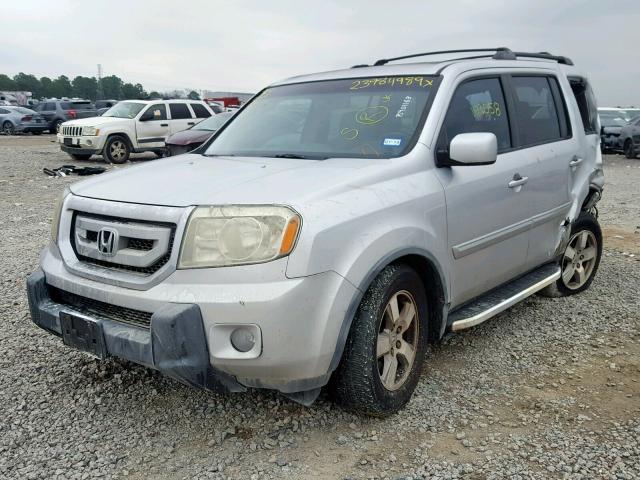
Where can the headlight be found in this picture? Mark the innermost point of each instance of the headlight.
(90, 131)
(238, 235)
(57, 211)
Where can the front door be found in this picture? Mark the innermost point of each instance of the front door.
(153, 127)
(488, 207)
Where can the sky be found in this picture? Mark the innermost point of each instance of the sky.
(245, 45)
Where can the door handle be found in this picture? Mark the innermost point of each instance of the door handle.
(190, 123)
(164, 124)
(575, 161)
(518, 181)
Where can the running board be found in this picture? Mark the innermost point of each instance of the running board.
(501, 298)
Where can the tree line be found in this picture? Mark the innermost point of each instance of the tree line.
(111, 87)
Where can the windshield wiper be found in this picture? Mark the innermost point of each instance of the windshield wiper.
(301, 157)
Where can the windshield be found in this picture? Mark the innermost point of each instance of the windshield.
(213, 123)
(124, 110)
(612, 121)
(362, 118)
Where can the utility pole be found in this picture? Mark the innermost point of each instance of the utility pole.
(99, 92)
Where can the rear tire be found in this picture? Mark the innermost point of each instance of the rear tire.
(629, 150)
(385, 350)
(117, 149)
(580, 260)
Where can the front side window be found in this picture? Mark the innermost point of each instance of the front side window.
(124, 110)
(156, 112)
(478, 106)
(377, 117)
(179, 111)
(50, 106)
(537, 115)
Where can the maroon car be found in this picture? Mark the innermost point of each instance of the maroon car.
(187, 140)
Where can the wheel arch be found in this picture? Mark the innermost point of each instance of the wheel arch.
(432, 275)
(119, 134)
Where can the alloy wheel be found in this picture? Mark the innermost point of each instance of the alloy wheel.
(7, 128)
(118, 150)
(579, 259)
(397, 340)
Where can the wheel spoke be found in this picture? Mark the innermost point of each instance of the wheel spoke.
(406, 351)
(570, 252)
(582, 275)
(406, 317)
(383, 345)
(394, 308)
(568, 273)
(389, 371)
(582, 241)
(589, 253)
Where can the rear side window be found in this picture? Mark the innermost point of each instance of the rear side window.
(478, 106)
(76, 105)
(536, 111)
(200, 111)
(586, 101)
(3, 111)
(179, 110)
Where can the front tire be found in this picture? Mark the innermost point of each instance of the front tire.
(77, 156)
(117, 149)
(56, 126)
(386, 346)
(580, 260)
(629, 150)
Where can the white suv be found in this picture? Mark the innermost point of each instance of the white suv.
(130, 126)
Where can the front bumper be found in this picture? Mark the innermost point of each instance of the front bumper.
(175, 345)
(300, 319)
(82, 145)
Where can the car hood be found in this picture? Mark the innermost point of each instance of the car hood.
(189, 136)
(193, 179)
(96, 121)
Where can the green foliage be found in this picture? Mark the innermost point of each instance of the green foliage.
(81, 87)
(193, 95)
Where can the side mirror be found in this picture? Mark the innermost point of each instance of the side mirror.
(471, 149)
(146, 116)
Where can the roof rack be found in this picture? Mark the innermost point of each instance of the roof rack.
(501, 53)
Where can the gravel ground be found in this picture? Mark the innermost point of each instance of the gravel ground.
(549, 389)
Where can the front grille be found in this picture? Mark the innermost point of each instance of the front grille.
(139, 244)
(71, 131)
(100, 309)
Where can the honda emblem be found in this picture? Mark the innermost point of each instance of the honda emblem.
(108, 242)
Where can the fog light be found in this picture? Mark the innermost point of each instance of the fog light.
(243, 339)
(89, 142)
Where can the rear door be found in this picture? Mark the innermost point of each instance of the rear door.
(152, 127)
(544, 135)
(181, 117)
(487, 205)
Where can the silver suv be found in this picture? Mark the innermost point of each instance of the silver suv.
(337, 225)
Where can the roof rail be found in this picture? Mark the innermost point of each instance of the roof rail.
(501, 53)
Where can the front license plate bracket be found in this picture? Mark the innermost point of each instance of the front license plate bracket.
(83, 334)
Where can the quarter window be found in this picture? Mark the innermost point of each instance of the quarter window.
(200, 111)
(478, 106)
(536, 112)
(179, 110)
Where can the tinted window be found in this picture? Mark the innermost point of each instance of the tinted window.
(179, 110)
(478, 106)
(200, 110)
(49, 106)
(157, 112)
(3, 111)
(536, 112)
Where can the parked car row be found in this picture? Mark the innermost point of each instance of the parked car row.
(620, 131)
(130, 126)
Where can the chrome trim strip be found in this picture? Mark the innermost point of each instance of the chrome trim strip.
(477, 244)
(509, 302)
